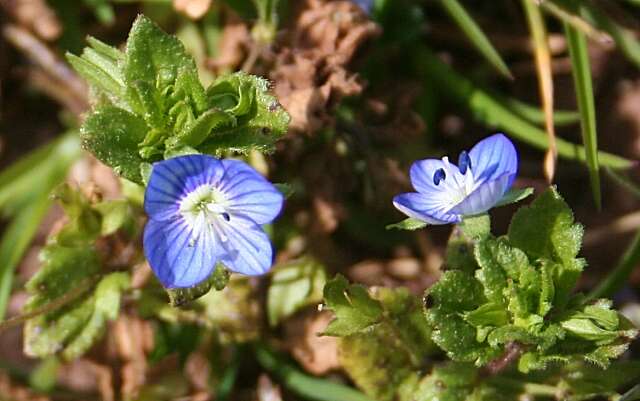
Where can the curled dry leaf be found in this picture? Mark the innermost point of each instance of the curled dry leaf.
(310, 72)
(317, 354)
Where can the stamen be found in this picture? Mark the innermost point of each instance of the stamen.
(226, 216)
(438, 176)
(464, 162)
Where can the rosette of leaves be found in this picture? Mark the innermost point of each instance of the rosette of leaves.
(516, 302)
(150, 104)
(75, 293)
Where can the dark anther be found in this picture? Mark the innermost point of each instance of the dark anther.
(226, 216)
(464, 162)
(438, 176)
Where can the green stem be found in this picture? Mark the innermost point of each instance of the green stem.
(305, 386)
(618, 277)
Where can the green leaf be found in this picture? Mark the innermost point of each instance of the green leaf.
(115, 215)
(546, 229)
(581, 70)
(198, 131)
(474, 33)
(383, 361)
(476, 227)
(294, 286)
(105, 303)
(354, 309)
(447, 382)
(67, 273)
(260, 118)
(112, 135)
(408, 224)
(153, 56)
(514, 195)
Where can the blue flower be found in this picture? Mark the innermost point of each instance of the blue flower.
(446, 192)
(203, 211)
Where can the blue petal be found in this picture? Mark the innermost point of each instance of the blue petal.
(247, 246)
(494, 157)
(484, 197)
(173, 179)
(180, 255)
(249, 193)
(422, 172)
(426, 208)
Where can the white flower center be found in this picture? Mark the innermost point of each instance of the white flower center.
(204, 209)
(456, 185)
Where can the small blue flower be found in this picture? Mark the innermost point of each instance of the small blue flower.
(203, 211)
(446, 192)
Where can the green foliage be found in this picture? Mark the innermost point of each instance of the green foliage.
(70, 298)
(385, 359)
(151, 105)
(294, 286)
(521, 294)
(354, 308)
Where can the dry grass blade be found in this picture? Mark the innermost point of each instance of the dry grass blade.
(545, 80)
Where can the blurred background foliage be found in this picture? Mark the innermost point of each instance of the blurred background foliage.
(370, 87)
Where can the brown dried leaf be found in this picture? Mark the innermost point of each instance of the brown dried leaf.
(317, 354)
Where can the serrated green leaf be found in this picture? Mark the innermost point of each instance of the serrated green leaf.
(153, 56)
(354, 309)
(112, 135)
(546, 228)
(294, 286)
(515, 195)
(408, 224)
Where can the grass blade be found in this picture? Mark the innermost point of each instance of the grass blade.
(575, 21)
(536, 116)
(488, 110)
(545, 80)
(307, 387)
(581, 69)
(466, 23)
(14, 243)
(625, 39)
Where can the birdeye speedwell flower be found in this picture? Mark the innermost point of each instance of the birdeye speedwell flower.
(446, 192)
(203, 211)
